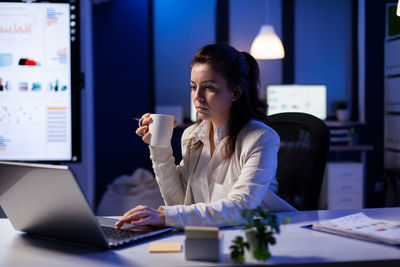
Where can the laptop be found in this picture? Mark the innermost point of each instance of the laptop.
(46, 201)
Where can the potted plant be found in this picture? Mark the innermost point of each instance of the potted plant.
(260, 228)
(342, 111)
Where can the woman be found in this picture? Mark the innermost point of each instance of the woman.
(229, 156)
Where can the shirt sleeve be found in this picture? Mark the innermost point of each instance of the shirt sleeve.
(171, 178)
(258, 163)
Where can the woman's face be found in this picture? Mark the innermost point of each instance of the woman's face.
(210, 94)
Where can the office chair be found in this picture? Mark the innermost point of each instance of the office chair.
(301, 157)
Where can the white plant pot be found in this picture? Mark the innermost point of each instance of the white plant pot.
(253, 242)
(342, 114)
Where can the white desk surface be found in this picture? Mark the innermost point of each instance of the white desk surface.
(295, 245)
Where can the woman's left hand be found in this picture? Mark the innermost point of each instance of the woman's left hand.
(142, 215)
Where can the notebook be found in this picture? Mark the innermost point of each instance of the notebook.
(46, 201)
(361, 226)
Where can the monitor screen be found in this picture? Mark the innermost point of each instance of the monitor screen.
(297, 98)
(39, 81)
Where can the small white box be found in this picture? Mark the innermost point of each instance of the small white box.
(204, 249)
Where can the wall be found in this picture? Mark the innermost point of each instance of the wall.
(121, 88)
(323, 43)
(245, 22)
(181, 27)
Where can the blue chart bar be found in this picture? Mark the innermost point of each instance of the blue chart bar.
(61, 56)
(52, 16)
(3, 143)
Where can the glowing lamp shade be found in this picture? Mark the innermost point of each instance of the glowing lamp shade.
(267, 44)
(398, 9)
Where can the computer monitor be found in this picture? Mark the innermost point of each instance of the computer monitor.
(297, 98)
(39, 81)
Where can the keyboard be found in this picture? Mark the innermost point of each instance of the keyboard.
(114, 234)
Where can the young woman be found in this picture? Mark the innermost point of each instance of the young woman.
(229, 156)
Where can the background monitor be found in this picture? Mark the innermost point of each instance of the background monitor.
(39, 81)
(297, 98)
(193, 111)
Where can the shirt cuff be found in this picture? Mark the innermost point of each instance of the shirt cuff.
(171, 213)
(160, 154)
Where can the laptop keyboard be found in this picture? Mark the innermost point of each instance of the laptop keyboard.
(114, 234)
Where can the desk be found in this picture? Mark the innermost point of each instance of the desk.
(295, 246)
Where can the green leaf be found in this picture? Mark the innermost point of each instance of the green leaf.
(238, 249)
(261, 254)
(286, 220)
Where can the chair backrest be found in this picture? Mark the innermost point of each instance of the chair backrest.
(301, 157)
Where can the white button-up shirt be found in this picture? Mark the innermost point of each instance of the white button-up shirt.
(209, 190)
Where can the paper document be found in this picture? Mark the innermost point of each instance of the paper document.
(361, 226)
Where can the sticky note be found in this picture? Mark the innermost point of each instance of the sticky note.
(162, 247)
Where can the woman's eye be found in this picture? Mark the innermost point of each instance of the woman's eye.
(192, 87)
(210, 88)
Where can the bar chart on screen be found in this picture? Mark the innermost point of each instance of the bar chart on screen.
(39, 80)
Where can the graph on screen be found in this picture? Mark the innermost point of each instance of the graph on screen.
(35, 81)
(297, 98)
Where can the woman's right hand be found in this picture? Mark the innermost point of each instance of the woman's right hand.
(143, 129)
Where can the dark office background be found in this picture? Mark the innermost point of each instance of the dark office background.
(122, 78)
(125, 70)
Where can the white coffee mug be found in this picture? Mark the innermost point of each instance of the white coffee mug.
(161, 127)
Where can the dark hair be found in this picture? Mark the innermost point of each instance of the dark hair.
(241, 72)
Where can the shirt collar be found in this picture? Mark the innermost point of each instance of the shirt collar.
(202, 132)
(221, 133)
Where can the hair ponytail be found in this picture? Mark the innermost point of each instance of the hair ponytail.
(258, 106)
